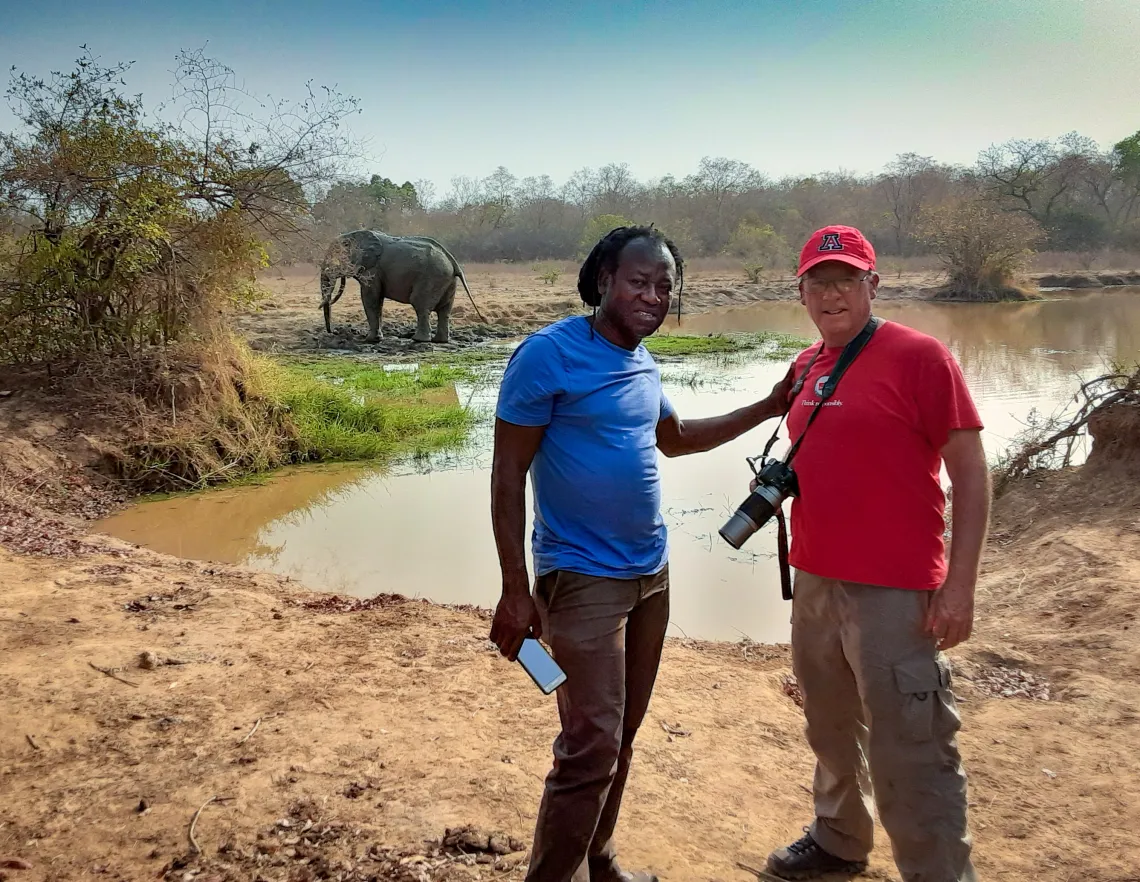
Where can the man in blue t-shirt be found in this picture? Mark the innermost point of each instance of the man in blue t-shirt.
(582, 410)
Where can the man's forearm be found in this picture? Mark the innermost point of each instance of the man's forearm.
(704, 434)
(508, 520)
(970, 514)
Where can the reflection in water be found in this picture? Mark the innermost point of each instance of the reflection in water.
(424, 529)
(228, 524)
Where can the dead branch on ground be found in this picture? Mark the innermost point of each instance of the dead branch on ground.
(197, 849)
(107, 672)
(1052, 443)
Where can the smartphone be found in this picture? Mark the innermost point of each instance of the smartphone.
(543, 669)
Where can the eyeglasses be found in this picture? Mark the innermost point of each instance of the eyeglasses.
(843, 286)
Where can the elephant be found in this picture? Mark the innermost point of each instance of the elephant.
(416, 270)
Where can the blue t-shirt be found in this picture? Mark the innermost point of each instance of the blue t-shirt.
(597, 489)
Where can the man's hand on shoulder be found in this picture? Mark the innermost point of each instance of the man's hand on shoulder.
(779, 399)
(950, 616)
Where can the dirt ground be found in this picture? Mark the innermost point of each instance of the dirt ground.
(511, 300)
(172, 719)
(132, 682)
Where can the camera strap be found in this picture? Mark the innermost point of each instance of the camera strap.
(852, 349)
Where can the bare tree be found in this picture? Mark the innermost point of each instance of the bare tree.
(615, 190)
(270, 157)
(1036, 178)
(426, 191)
(500, 190)
(714, 189)
(908, 184)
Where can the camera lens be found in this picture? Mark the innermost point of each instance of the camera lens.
(751, 515)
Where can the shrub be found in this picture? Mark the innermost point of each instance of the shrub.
(548, 274)
(759, 243)
(213, 411)
(982, 247)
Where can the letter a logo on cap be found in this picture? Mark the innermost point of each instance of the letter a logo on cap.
(830, 242)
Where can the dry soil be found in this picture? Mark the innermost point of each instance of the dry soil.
(306, 736)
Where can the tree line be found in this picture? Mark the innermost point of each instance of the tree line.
(1064, 194)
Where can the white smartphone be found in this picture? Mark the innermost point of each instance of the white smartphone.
(543, 669)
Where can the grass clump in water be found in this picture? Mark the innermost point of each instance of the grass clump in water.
(768, 344)
(369, 378)
(348, 410)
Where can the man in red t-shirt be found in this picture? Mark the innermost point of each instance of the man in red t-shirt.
(875, 602)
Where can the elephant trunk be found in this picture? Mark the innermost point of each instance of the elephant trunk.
(327, 283)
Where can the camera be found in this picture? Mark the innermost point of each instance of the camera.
(775, 482)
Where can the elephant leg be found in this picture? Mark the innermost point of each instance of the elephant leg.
(443, 315)
(373, 300)
(423, 324)
(423, 300)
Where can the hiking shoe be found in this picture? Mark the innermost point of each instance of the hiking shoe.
(804, 859)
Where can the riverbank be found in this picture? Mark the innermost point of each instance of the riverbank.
(342, 739)
(84, 442)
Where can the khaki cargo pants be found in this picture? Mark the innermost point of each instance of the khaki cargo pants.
(607, 635)
(879, 709)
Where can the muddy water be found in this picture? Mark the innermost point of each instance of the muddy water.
(423, 529)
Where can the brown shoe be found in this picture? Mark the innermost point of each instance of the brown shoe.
(805, 859)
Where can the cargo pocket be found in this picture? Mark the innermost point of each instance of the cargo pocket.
(923, 683)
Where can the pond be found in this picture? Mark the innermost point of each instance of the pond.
(423, 528)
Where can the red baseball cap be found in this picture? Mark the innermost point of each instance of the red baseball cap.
(837, 242)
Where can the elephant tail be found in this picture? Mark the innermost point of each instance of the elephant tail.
(463, 279)
(459, 272)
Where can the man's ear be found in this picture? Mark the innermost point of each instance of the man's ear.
(800, 287)
(605, 282)
(874, 280)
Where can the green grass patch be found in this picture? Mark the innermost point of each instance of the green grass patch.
(350, 410)
(766, 343)
(370, 378)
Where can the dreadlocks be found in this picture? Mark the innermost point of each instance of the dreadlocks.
(607, 252)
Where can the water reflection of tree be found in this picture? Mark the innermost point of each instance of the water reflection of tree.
(228, 524)
(1030, 347)
(298, 498)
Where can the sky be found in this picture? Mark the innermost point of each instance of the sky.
(792, 87)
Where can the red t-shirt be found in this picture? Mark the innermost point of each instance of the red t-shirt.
(870, 507)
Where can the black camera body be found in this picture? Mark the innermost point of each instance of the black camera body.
(775, 482)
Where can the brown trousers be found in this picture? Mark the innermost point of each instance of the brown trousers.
(607, 635)
(879, 709)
